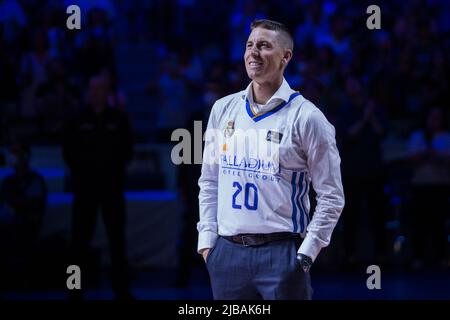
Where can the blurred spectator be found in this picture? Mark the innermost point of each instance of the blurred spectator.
(10, 90)
(314, 25)
(13, 19)
(361, 127)
(140, 17)
(116, 97)
(56, 99)
(97, 147)
(337, 38)
(191, 68)
(23, 198)
(25, 193)
(33, 72)
(429, 151)
(86, 6)
(171, 92)
(55, 23)
(95, 44)
(188, 175)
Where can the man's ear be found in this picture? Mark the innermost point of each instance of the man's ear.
(286, 57)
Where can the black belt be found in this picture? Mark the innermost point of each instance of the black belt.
(257, 239)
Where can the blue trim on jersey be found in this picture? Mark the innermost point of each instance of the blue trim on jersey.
(247, 107)
(258, 117)
(300, 206)
(294, 207)
(307, 214)
(302, 201)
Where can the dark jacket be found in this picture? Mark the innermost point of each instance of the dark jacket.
(97, 148)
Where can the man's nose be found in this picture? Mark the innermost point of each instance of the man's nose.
(254, 51)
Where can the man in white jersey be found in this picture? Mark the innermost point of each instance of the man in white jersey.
(256, 233)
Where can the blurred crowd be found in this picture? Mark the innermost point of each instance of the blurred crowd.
(199, 46)
(45, 68)
(373, 85)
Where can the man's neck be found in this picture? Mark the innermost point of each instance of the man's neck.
(263, 91)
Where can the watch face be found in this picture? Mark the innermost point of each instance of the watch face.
(305, 262)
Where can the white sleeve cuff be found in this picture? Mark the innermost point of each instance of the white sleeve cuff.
(310, 246)
(206, 239)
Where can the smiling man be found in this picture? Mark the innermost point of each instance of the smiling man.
(256, 233)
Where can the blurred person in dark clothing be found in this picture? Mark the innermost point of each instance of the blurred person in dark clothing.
(10, 89)
(13, 18)
(23, 199)
(188, 175)
(8, 73)
(95, 44)
(116, 97)
(25, 192)
(33, 72)
(362, 128)
(429, 152)
(56, 99)
(97, 147)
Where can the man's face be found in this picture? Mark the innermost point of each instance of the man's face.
(264, 56)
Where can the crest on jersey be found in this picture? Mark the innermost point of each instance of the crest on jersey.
(274, 136)
(229, 129)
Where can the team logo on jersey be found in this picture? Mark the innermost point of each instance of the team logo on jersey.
(229, 130)
(274, 136)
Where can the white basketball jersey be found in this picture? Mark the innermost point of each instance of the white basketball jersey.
(265, 163)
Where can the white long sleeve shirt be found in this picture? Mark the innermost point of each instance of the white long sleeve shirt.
(258, 166)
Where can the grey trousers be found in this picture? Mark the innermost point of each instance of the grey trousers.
(270, 272)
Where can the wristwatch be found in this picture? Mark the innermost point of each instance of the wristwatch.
(305, 261)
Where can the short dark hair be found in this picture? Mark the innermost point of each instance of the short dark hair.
(275, 26)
